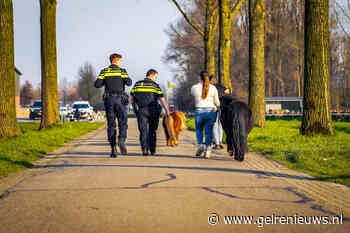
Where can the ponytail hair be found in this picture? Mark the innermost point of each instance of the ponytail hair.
(205, 79)
(212, 79)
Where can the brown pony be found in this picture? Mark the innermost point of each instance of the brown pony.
(173, 126)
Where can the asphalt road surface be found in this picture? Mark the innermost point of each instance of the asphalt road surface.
(78, 188)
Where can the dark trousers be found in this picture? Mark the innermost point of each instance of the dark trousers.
(148, 120)
(115, 109)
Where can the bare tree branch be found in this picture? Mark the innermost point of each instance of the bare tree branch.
(235, 8)
(343, 10)
(189, 21)
(340, 23)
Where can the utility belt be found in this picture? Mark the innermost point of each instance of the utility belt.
(115, 94)
(154, 106)
(124, 98)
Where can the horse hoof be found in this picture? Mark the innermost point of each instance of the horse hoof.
(239, 158)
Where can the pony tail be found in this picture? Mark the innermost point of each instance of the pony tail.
(205, 89)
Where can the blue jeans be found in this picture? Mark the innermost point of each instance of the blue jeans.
(204, 119)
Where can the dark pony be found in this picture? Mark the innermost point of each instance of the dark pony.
(237, 121)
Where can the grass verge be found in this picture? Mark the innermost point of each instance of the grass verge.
(19, 152)
(324, 157)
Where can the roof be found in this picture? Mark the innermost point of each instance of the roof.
(17, 71)
(284, 98)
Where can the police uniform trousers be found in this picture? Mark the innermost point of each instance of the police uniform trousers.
(115, 109)
(148, 120)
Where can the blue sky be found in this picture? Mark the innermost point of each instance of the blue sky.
(90, 30)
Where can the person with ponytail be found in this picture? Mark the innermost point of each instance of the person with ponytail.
(206, 103)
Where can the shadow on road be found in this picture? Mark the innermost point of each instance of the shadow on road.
(213, 169)
(20, 163)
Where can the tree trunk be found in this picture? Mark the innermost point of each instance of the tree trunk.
(209, 32)
(296, 84)
(279, 75)
(8, 123)
(317, 116)
(298, 24)
(278, 55)
(269, 87)
(256, 61)
(224, 44)
(210, 27)
(49, 86)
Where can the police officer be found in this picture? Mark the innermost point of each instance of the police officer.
(144, 98)
(114, 79)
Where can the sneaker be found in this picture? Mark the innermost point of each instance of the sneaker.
(200, 150)
(207, 154)
(221, 146)
(216, 147)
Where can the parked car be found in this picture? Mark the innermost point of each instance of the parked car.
(36, 110)
(83, 107)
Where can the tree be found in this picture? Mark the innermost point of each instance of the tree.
(27, 94)
(37, 92)
(73, 95)
(226, 14)
(316, 117)
(211, 24)
(68, 91)
(8, 123)
(63, 90)
(256, 61)
(186, 51)
(340, 84)
(86, 89)
(210, 27)
(346, 71)
(49, 85)
(284, 50)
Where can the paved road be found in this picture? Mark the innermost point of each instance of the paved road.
(80, 189)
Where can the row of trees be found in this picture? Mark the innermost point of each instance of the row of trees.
(266, 47)
(49, 88)
(217, 20)
(221, 14)
(82, 89)
(49, 82)
(8, 123)
(68, 91)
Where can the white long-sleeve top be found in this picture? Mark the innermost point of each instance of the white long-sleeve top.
(212, 100)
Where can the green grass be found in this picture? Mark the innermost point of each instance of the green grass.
(19, 152)
(324, 157)
(190, 124)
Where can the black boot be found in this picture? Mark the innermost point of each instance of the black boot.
(145, 152)
(114, 152)
(122, 148)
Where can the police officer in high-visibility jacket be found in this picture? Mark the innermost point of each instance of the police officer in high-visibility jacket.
(116, 101)
(144, 98)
